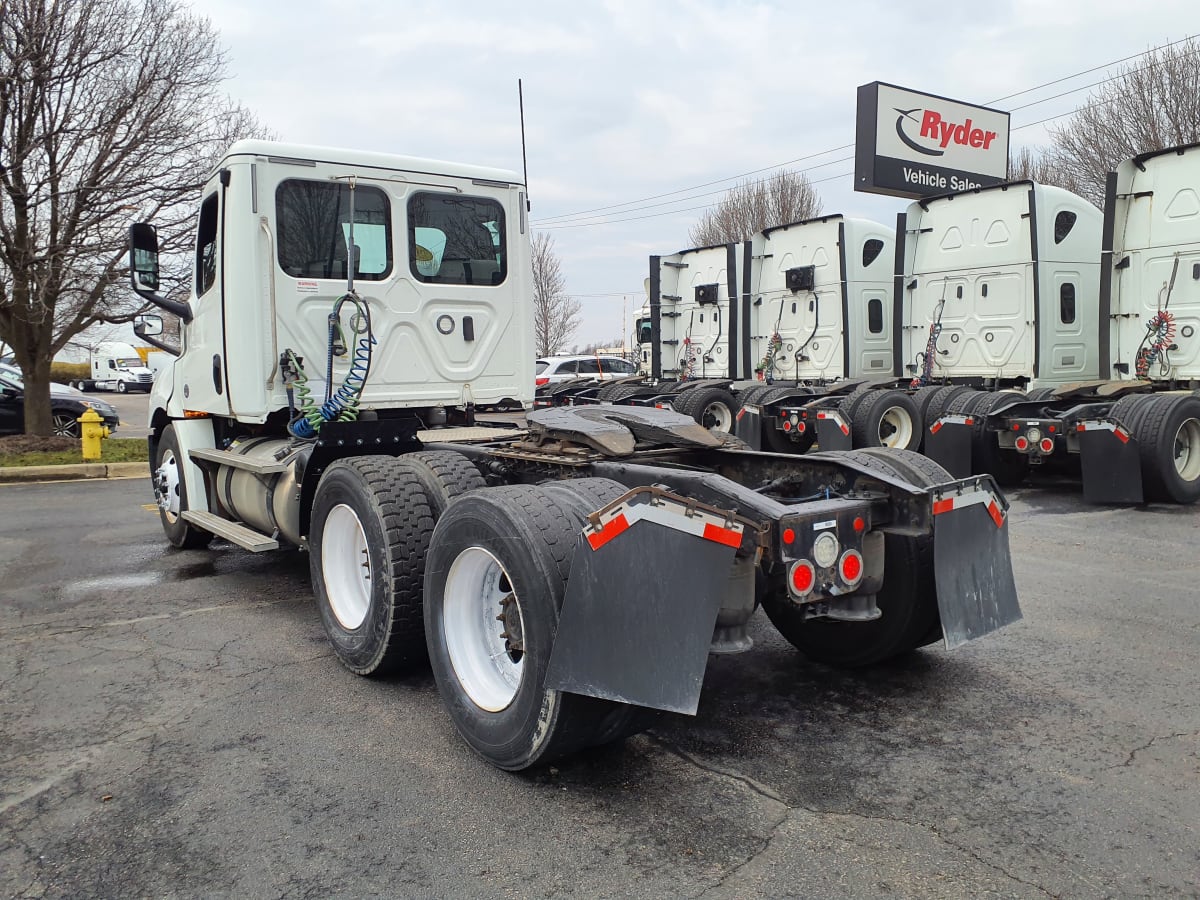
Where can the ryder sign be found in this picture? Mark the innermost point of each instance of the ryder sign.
(910, 144)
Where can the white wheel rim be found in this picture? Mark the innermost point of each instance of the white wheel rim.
(895, 428)
(346, 566)
(166, 486)
(721, 415)
(478, 609)
(1187, 450)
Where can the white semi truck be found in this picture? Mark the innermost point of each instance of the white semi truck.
(1130, 412)
(560, 578)
(807, 303)
(116, 366)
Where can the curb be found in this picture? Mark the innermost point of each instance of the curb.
(74, 472)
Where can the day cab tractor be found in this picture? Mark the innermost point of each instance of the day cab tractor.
(350, 310)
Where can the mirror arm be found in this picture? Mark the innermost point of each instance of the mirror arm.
(139, 330)
(183, 310)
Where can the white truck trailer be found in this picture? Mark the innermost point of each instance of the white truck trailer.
(561, 578)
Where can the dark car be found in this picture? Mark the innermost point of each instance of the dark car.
(66, 406)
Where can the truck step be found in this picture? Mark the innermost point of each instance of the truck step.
(234, 532)
(237, 461)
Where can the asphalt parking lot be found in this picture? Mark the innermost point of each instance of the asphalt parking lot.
(174, 725)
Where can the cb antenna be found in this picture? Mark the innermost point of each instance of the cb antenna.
(524, 162)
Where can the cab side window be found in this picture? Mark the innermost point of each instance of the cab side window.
(206, 246)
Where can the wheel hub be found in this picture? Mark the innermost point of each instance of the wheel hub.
(346, 566)
(484, 629)
(166, 486)
(1187, 450)
(895, 428)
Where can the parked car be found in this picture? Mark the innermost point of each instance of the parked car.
(551, 369)
(66, 406)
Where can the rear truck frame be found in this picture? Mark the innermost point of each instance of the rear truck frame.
(563, 579)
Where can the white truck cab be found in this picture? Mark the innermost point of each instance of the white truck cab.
(116, 366)
(1150, 302)
(1009, 279)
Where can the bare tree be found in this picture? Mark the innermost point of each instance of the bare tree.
(109, 113)
(1149, 106)
(751, 206)
(555, 313)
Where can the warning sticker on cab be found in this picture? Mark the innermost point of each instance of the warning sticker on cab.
(306, 287)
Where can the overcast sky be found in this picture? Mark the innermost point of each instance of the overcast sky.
(626, 101)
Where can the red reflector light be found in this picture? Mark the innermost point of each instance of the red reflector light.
(852, 567)
(941, 506)
(789, 536)
(1052, 428)
(803, 577)
(859, 524)
(800, 428)
(1022, 444)
(787, 426)
(1016, 426)
(538, 382)
(1047, 445)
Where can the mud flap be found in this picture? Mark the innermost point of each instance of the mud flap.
(972, 565)
(948, 444)
(645, 587)
(833, 431)
(1110, 462)
(748, 426)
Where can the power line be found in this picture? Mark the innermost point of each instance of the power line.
(567, 220)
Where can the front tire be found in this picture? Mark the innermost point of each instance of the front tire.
(121, 388)
(368, 539)
(494, 585)
(170, 493)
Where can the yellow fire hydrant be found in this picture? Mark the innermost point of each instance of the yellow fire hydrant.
(92, 432)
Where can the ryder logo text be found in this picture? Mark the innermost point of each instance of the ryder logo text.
(935, 128)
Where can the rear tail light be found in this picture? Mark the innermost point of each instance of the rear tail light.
(851, 567)
(802, 578)
(538, 382)
(1047, 445)
(1022, 444)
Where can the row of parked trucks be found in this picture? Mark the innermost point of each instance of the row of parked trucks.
(993, 330)
(348, 312)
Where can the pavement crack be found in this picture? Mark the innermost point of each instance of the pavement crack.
(774, 796)
(1150, 743)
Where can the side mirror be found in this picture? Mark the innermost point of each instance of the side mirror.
(143, 270)
(147, 325)
(143, 257)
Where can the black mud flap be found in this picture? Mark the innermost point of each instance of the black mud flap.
(1110, 462)
(948, 443)
(833, 431)
(972, 564)
(748, 426)
(645, 587)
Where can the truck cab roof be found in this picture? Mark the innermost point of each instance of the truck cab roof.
(304, 153)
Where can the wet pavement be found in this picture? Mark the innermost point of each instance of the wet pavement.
(174, 724)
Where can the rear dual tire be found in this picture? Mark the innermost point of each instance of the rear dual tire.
(1167, 429)
(506, 552)
(907, 599)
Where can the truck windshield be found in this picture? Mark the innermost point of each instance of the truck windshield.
(129, 362)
